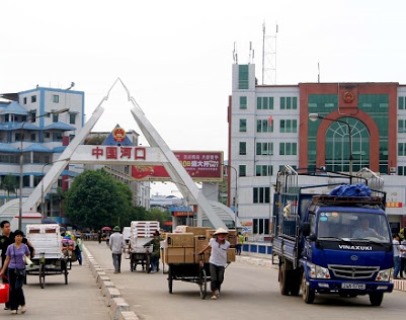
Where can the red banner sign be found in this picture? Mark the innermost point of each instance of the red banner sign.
(201, 166)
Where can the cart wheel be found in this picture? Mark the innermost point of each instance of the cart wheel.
(203, 283)
(148, 263)
(42, 276)
(66, 273)
(170, 278)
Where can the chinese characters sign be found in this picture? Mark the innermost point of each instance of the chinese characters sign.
(201, 166)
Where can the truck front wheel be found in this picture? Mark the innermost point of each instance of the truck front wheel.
(284, 279)
(308, 294)
(376, 298)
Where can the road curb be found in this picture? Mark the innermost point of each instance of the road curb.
(119, 308)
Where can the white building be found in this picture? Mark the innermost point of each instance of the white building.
(269, 127)
(32, 124)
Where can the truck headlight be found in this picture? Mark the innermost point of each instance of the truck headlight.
(383, 275)
(318, 272)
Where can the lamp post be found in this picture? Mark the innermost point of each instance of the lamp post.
(235, 200)
(20, 204)
(316, 116)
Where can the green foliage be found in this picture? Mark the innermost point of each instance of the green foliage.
(95, 200)
(9, 184)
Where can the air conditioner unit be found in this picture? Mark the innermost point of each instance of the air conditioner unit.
(392, 169)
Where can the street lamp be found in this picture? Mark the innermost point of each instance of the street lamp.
(235, 200)
(315, 116)
(20, 204)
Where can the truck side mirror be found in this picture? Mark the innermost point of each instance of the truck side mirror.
(305, 229)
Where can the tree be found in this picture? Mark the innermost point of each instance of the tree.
(9, 184)
(95, 200)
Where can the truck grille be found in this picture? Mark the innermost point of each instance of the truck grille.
(352, 272)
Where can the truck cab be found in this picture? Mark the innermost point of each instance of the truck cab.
(332, 242)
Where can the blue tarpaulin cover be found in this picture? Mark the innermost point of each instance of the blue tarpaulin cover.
(351, 190)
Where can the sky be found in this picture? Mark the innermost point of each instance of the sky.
(175, 57)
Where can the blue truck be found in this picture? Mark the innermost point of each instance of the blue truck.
(331, 234)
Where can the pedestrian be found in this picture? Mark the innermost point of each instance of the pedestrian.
(7, 238)
(79, 249)
(99, 236)
(402, 249)
(14, 265)
(116, 244)
(396, 255)
(156, 251)
(240, 242)
(218, 260)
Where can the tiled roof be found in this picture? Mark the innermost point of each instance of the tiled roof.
(5, 147)
(18, 126)
(60, 126)
(14, 108)
(37, 147)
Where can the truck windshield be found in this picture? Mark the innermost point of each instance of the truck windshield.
(354, 226)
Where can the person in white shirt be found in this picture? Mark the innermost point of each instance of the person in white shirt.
(116, 244)
(396, 255)
(218, 260)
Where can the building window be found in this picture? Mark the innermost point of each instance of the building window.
(264, 148)
(288, 103)
(25, 100)
(288, 126)
(263, 170)
(33, 98)
(47, 135)
(288, 149)
(55, 98)
(33, 137)
(19, 136)
(261, 195)
(55, 117)
(243, 148)
(401, 126)
(243, 102)
(401, 149)
(243, 76)
(242, 170)
(57, 136)
(402, 171)
(260, 226)
(72, 118)
(401, 103)
(264, 126)
(264, 103)
(243, 125)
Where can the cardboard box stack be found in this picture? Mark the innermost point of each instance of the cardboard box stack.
(184, 247)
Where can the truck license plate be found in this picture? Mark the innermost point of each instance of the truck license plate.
(349, 285)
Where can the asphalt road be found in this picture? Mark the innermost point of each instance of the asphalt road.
(249, 292)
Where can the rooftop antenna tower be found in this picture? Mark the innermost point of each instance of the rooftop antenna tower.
(269, 56)
(251, 54)
(235, 55)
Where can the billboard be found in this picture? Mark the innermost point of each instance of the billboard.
(201, 166)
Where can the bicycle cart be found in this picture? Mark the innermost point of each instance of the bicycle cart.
(49, 258)
(190, 272)
(140, 255)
